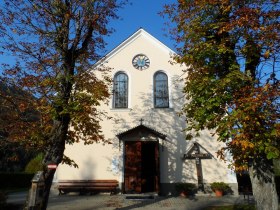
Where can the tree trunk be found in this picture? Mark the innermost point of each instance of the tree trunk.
(47, 187)
(263, 185)
(54, 155)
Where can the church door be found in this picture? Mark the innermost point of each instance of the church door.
(141, 173)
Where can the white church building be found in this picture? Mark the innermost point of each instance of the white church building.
(148, 151)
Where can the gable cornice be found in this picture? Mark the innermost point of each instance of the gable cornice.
(126, 42)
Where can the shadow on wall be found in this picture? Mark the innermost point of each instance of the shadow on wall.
(88, 170)
(166, 121)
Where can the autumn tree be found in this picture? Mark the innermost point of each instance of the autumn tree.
(54, 44)
(232, 49)
(13, 156)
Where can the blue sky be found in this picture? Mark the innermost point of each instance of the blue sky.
(141, 13)
(136, 14)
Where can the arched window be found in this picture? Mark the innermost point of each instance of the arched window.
(120, 99)
(161, 96)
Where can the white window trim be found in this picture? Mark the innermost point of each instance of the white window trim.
(129, 91)
(169, 90)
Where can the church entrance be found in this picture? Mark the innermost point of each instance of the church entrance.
(141, 167)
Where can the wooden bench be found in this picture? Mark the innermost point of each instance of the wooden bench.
(88, 186)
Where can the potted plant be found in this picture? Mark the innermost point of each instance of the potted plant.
(219, 188)
(185, 189)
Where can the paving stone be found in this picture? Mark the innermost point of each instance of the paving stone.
(119, 202)
(74, 201)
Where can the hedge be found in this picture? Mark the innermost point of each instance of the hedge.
(15, 180)
(35, 164)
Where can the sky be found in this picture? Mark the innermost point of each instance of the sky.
(136, 14)
(140, 14)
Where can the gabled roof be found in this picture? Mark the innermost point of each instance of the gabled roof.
(203, 153)
(138, 33)
(141, 127)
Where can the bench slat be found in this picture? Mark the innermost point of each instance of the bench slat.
(88, 181)
(87, 186)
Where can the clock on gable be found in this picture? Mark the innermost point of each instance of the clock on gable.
(141, 62)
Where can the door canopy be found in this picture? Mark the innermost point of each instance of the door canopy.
(141, 132)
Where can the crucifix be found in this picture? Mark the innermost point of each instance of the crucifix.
(195, 153)
(198, 169)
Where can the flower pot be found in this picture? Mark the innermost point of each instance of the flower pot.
(219, 193)
(184, 194)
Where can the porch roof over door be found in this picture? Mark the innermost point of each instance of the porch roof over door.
(140, 131)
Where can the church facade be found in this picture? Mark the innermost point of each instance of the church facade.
(148, 150)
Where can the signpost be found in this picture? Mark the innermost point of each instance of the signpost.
(36, 192)
(52, 166)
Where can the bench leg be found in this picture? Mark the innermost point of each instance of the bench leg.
(113, 192)
(62, 192)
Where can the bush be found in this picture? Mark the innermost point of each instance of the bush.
(276, 163)
(35, 164)
(185, 187)
(220, 186)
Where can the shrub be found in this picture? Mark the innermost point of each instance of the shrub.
(35, 164)
(220, 186)
(185, 187)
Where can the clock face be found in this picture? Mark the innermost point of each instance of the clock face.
(141, 62)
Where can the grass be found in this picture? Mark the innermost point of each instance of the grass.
(232, 207)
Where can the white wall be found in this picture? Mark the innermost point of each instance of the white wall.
(100, 161)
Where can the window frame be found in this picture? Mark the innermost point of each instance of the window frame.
(167, 105)
(126, 91)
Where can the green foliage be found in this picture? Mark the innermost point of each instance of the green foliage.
(13, 156)
(36, 164)
(185, 187)
(225, 87)
(276, 164)
(55, 44)
(231, 53)
(220, 186)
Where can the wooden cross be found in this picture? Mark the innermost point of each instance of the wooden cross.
(141, 121)
(199, 169)
(195, 153)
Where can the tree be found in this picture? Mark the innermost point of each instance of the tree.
(14, 157)
(232, 49)
(54, 44)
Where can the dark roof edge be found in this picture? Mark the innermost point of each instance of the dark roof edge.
(157, 133)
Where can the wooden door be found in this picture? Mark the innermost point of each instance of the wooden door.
(141, 172)
(157, 172)
(148, 167)
(132, 174)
